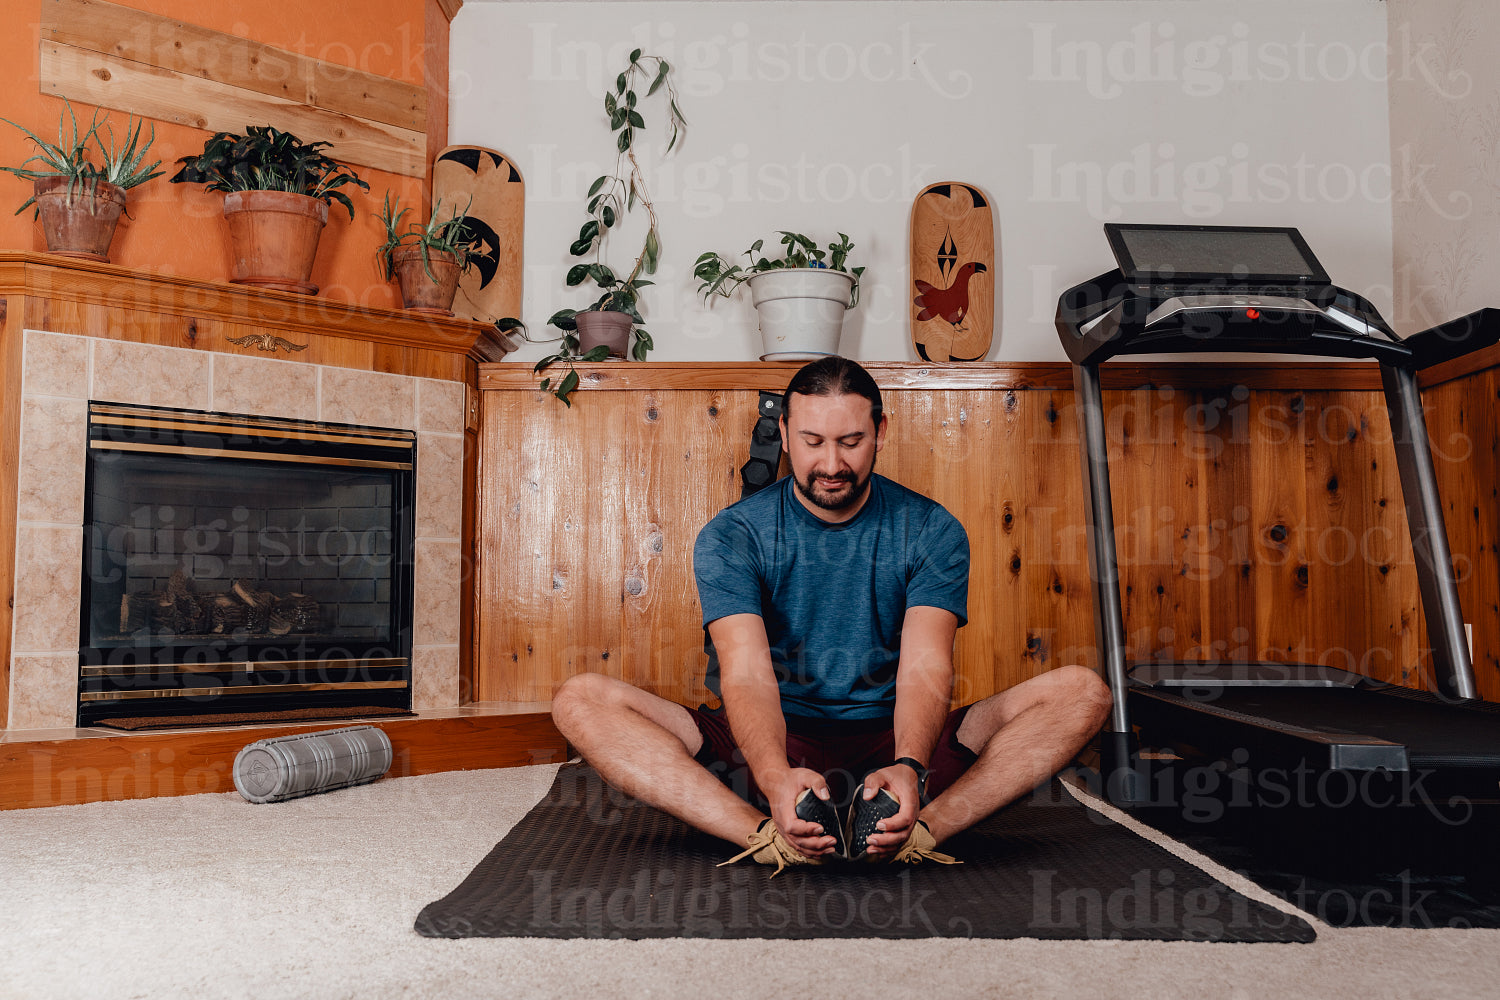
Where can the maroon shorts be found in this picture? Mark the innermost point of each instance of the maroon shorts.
(842, 750)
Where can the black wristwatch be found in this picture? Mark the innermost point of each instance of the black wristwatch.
(921, 774)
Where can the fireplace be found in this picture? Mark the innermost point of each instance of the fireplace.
(241, 564)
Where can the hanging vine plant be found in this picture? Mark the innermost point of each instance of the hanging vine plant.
(610, 198)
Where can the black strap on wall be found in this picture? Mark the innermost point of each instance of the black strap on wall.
(765, 447)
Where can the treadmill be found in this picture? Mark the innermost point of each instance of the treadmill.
(1208, 289)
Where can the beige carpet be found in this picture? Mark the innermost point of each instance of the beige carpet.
(210, 896)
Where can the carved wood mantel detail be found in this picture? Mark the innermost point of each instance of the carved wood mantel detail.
(266, 342)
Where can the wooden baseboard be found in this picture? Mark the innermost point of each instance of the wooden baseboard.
(95, 768)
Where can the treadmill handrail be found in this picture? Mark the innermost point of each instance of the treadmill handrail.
(1103, 318)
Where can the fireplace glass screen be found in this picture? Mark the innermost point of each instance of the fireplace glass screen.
(238, 564)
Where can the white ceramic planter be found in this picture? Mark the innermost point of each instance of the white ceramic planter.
(801, 311)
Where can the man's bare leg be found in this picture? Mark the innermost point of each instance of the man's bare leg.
(645, 746)
(1023, 736)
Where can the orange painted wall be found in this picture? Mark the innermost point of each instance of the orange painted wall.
(178, 228)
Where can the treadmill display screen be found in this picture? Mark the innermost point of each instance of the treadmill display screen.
(1187, 255)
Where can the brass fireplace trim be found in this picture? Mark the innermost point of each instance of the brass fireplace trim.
(243, 689)
(248, 666)
(145, 416)
(253, 427)
(252, 456)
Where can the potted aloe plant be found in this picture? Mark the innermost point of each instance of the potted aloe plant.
(425, 261)
(800, 297)
(612, 325)
(277, 190)
(78, 201)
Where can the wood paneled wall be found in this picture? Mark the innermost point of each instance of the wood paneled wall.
(1263, 519)
(1463, 417)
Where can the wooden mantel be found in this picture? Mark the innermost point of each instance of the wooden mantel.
(63, 295)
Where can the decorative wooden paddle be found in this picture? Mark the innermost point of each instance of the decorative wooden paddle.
(952, 273)
(491, 186)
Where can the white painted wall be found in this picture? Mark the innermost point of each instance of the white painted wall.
(831, 116)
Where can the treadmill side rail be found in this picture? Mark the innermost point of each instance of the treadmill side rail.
(1206, 725)
(1201, 674)
(1099, 525)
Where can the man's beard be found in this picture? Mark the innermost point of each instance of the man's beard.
(842, 500)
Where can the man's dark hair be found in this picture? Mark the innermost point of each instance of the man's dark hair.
(833, 376)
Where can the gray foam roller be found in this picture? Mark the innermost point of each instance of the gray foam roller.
(289, 767)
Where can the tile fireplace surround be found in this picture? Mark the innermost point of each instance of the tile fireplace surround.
(62, 372)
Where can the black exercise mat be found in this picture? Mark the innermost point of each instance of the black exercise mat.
(1425, 865)
(590, 862)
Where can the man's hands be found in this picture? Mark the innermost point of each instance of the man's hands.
(900, 781)
(782, 791)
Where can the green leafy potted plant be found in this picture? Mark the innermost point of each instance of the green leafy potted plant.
(800, 297)
(425, 261)
(277, 190)
(612, 325)
(78, 201)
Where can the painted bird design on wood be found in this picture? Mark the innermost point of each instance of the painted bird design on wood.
(950, 304)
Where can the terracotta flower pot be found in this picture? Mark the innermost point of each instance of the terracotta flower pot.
(273, 238)
(612, 329)
(419, 293)
(80, 223)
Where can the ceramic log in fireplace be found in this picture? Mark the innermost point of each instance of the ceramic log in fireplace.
(238, 564)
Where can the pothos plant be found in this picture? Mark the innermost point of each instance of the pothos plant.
(719, 275)
(610, 198)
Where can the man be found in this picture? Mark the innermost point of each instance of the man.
(830, 601)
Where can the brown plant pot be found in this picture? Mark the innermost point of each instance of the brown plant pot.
(80, 223)
(419, 293)
(611, 329)
(273, 238)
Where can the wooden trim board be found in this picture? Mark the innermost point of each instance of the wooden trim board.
(772, 376)
(10, 464)
(172, 71)
(97, 768)
(139, 89)
(45, 276)
(179, 47)
(1470, 364)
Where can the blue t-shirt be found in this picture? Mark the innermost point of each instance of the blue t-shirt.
(833, 596)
